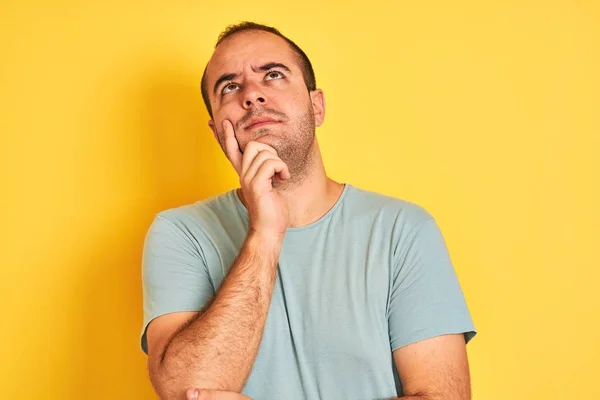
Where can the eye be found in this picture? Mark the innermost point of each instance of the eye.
(271, 75)
(229, 87)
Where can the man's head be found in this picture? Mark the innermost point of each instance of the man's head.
(302, 59)
(257, 75)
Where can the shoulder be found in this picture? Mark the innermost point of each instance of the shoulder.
(216, 221)
(203, 213)
(394, 210)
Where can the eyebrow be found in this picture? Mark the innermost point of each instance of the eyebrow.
(265, 67)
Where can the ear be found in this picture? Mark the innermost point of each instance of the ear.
(317, 98)
(213, 128)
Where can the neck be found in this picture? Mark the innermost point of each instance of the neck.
(312, 196)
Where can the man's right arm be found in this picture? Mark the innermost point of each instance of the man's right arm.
(216, 348)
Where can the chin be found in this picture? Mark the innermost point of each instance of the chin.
(265, 135)
(267, 138)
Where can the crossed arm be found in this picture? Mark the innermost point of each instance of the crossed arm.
(213, 351)
(432, 369)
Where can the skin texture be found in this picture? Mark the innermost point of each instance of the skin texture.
(283, 184)
(435, 368)
(278, 92)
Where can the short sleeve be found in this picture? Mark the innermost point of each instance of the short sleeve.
(426, 299)
(174, 273)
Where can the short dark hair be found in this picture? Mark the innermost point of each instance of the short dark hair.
(305, 65)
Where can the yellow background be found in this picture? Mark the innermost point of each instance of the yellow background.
(485, 113)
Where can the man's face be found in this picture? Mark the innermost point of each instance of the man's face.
(254, 80)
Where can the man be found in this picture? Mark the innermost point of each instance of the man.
(295, 286)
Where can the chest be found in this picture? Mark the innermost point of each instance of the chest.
(326, 334)
(330, 303)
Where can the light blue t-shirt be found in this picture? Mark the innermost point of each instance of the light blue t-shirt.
(370, 276)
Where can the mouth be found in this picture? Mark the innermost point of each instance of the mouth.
(260, 123)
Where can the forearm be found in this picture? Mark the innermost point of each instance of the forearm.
(217, 350)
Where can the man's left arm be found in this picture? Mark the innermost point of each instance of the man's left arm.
(434, 369)
(429, 322)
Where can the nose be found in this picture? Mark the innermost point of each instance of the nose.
(254, 96)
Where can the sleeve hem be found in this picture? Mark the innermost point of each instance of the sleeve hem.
(144, 340)
(469, 333)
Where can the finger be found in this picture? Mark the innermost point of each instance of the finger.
(191, 394)
(252, 149)
(269, 168)
(284, 174)
(232, 147)
(260, 158)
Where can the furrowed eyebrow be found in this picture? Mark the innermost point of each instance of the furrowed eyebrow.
(265, 67)
(272, 65)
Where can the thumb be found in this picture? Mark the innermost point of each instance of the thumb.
(191, 394)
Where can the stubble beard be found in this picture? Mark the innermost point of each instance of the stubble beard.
(296, 150)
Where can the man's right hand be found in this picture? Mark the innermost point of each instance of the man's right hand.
(257, 168)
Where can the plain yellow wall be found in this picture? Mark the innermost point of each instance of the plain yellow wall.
(485, 113)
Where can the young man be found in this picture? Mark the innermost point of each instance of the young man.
(295, 286)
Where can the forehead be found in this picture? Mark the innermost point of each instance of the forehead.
(248, 48)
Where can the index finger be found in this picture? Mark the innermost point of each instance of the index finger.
(232, 147)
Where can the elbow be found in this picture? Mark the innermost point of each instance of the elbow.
(165, 387)
(170, 384)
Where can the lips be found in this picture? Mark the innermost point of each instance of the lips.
(258, 122)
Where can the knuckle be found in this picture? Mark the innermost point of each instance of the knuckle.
(270, 163)
(251, 145)
(265, 154)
